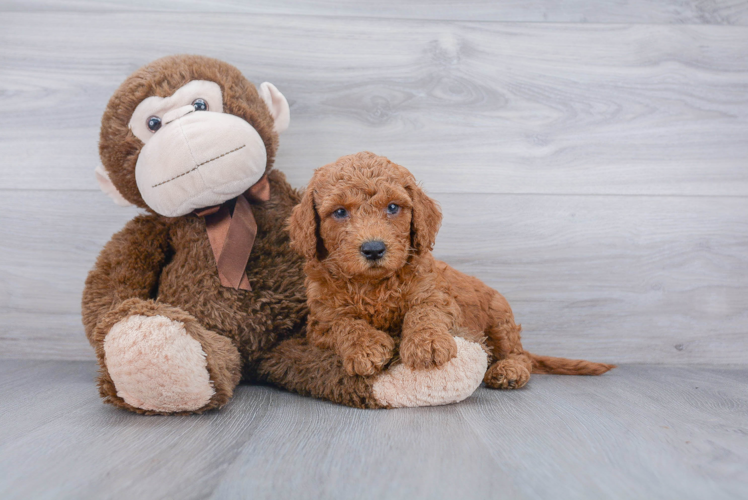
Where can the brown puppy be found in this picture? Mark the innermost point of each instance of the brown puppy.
(366, 230)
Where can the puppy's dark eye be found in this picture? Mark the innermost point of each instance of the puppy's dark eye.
(154, 123)
(340, 213)
(393, 209)
(200, 104)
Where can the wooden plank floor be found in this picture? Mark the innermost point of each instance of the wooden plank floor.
(638, 432)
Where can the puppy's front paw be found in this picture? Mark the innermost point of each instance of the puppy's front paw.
(368, 356)
(427, 349)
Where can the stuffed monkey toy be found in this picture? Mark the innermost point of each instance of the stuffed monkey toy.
(203, 290)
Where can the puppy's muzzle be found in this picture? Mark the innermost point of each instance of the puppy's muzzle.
(373, 250)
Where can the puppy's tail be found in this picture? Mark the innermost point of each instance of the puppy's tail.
(563, 366)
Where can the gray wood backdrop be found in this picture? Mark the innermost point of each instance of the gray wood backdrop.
(591, 157)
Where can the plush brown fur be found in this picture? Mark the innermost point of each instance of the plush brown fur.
(358, 307)
(165, 266)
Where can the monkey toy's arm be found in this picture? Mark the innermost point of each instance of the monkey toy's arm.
(153, 357)
(316, 367)
(128, 267)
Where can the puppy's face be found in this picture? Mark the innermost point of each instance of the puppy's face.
(365, 226)
(363, 217)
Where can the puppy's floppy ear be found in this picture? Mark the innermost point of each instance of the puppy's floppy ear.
(303, 227)
(425, 221)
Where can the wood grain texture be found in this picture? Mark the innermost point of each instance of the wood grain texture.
(605, 276)
(593, 173)
(469, 106)
(50, 242)
(546, 11)
(618, 279)
(564, 438)
(637, 432)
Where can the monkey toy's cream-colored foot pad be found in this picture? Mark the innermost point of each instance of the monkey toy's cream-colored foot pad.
(156, 365)
(452, 382)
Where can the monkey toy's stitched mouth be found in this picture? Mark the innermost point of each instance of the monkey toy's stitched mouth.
(200, 165)
(202, 160)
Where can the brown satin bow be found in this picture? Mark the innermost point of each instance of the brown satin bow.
(232, 235)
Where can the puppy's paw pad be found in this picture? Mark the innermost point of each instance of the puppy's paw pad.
(156, 365)
(507, 374)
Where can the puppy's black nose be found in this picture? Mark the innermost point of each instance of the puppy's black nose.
(373, 250)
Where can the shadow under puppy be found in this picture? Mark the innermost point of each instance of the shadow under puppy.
(367, 230)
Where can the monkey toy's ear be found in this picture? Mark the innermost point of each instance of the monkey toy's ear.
(277, 104)
(106, 185)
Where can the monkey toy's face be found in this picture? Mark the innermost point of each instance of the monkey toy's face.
(194, 154)
(193, 142)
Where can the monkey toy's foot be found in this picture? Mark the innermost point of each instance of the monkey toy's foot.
(154, 364)
(402, 386)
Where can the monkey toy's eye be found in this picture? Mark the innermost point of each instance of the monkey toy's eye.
(200, 104)
(154, 123)
(393, 209)
(340, 213)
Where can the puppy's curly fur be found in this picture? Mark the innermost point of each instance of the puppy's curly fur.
(363, 306)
